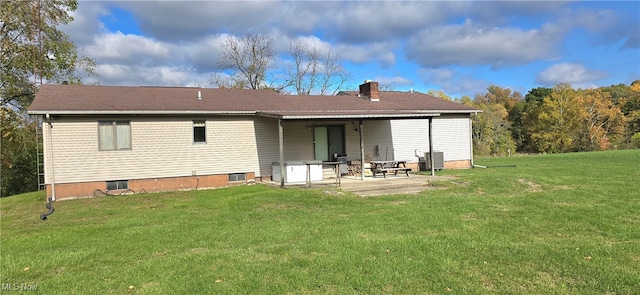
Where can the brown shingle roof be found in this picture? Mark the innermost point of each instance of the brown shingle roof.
(80, 99)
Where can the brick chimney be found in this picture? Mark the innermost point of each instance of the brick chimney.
(369, 90)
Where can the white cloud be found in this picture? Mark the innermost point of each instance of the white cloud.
(127, 49)
(392, 82)
(472, 44)
(190, 20)
(572, 73)
(453, 82)
(374, 21)
(85, 23)
(203, 54)
(112, 74)
(376, 52)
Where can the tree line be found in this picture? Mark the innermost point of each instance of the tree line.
(555, 120)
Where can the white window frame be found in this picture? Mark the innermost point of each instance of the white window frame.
(114, 135)
(199, 124)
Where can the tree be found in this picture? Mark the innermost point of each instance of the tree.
(30, 46)
(28, 38)
(439, 94)
(492, 128)
(19, 171)
(602, 121)
(313, 71)
(247, 60)
(529, 112)
(491, 134)
(558, 120)
(502, 96)
(627, 98)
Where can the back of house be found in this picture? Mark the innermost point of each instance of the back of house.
(113, 139)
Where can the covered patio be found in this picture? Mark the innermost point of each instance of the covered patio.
(357, 124)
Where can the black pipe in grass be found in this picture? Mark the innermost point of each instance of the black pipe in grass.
(43, 216)
(496, 166)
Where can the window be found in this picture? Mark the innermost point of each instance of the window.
(117, 185)
(199, 131)
(237, 177)
(114, 135)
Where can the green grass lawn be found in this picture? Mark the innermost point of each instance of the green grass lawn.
(554, 224)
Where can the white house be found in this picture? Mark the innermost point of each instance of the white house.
(170, 138)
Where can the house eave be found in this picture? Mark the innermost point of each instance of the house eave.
(139, 112)
(347, 116)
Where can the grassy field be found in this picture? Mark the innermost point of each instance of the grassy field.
(553, 224)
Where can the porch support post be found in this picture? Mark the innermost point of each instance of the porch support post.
(361, 151)
(433, 169)
(281, 144)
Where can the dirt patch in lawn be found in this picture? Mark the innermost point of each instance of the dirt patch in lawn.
(533, 187)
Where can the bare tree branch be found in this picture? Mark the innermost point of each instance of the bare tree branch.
(247, 59)
(314, 72)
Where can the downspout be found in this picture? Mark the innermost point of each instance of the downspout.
(53, 177)
(281, 143)
(433, 169)
(471, 138)
(361, 151)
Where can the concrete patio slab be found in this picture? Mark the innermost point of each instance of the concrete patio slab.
(377, 186)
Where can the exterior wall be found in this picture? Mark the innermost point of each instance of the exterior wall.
(160, 148)
(450, 136)
(378, 142)
(298, 141)
(297, 138)
(408, 136)
(266, 130)
(164, 157)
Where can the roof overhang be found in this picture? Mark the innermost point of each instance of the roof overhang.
(286, 115)
(140, 112)
(333, 116)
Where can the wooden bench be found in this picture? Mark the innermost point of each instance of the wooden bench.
(395, 170)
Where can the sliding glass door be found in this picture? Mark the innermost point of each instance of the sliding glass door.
(328, 141)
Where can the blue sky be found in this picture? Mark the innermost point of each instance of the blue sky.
(459, 47)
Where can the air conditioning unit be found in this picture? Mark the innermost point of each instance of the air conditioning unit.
(438, 160)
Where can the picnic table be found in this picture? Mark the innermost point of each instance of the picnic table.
(385, 167)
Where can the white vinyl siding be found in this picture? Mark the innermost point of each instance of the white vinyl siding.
(267, 144)
(450, 136)
(352, 142)
(297, 138)
(378, 143)
(159, 149)
(163, 147)
(408, 136)
(298, 141)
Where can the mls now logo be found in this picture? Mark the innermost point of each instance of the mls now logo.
(18, 287)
